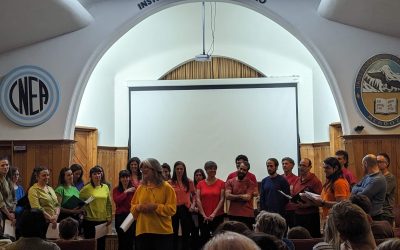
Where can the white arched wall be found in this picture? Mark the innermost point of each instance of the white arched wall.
(340, 50)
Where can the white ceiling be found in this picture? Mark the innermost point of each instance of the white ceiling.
(24, 22)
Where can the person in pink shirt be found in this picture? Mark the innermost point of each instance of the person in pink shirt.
(122, 196)
(240, 159)
(343, 158)
(287, 165)
(184, 190)
(210, 195)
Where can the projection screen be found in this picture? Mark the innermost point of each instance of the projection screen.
(198, 123)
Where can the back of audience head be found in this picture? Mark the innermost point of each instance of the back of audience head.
(351, 222)
(390, 244)
(68, 229)
(270, 223)
(33, 224)
(233, 226)
(362, 201)
(267, 241)
(230, 240)
(331, 234)
(298, 233)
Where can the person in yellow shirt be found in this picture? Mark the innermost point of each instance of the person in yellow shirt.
(153, 205)
(98, 211)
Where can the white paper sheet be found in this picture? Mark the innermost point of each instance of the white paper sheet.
(9, 229)
(102, 230)
(52, 233)
(127, 222)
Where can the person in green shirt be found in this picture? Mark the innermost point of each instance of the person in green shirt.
(64, 191)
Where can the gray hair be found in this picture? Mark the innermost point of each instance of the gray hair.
(270, 223)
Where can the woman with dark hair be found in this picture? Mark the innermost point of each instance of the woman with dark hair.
(335, 189)
(198, 176)
(122, 196)
(64, 192)
(77, 172)
(103, 177)
(7, 193)
(19, 194)
(98, 211)
(43, 197)
(166, 171)
(133, 167)
(184, 190)
(153, 204)
(210, 200)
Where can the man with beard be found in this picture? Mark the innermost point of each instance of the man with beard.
(271, 199)
(240, 190)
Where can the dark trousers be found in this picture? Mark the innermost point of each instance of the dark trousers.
(125, 239)
(249, 221)
(89, 232)
(311, 222)
(154, 242)
(195, 232)
(290, 218)
(207, 228)
(183, 216)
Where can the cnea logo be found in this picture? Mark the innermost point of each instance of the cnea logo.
(29, 96)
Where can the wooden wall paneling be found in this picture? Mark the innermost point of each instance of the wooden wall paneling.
(85, 149)
(335, 137)
(316, 152)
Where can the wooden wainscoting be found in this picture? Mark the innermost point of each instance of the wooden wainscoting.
(359, 145)
(26, 155)
(113, 160)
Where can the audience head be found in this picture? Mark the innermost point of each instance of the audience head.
(267, 241)
(243, 169)
(15, 174)
(232, 226)
(33, 223)
(133, 167)
(351, 222)
(343, 158)
(42, 175)
(198, 176)
(68, 228)
(390, 244)
(331, 234)
(287, 164)
(5, 167)
(151, 172)
(298, 233)
(270, 223)
(166, 171)
(230, 240)
(239, 159)
(362, 201)
(77, 172)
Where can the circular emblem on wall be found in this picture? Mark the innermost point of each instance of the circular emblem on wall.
(29, 96)
(377, 90)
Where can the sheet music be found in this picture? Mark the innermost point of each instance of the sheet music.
(90, 199)
(127, 222)
(102, 230)
(52, 233)
(9, 229)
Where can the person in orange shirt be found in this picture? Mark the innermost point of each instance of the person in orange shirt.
(335, 189)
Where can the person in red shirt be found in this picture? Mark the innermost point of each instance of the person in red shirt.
(287, 165)
(240, 159)
(122, 196)
(210, 200)
(306, 214)
(239, 191)
(184, 190)
(343, 157)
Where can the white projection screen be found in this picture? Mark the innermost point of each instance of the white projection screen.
(198, 123)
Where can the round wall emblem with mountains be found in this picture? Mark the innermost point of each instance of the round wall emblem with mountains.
(377, 90)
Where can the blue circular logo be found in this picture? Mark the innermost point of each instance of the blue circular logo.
(377, 90)
(29, 96)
